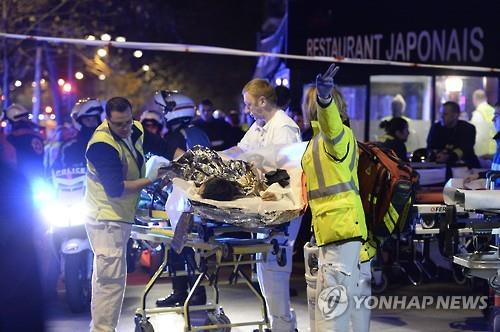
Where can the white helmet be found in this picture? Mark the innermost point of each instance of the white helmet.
(176, 107)
(83, 108)
(152, 116)
(16, 112)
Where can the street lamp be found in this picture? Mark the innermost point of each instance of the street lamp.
(145, 67)
(79, 75)
(105, 37)
(102, 52)
(137, 53)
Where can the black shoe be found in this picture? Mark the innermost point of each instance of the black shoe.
(173, 300)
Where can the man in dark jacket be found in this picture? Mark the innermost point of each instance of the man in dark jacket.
(452, 140)
(27, 141)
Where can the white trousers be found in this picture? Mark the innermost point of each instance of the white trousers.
(337, 283)
(360, 317)
(274, 281)
(109, 244)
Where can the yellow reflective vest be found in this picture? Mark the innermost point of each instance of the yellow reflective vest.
(100, 206)
(330, 164)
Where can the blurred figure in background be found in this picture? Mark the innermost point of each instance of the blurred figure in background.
(309, 110)
(7, 151)
(482, 119)
(233, 118)
(283, 99)
(216, 129)
(153, 124)
(27, 141)
(20, 289)
(396, 135)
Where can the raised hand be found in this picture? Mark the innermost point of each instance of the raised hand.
(324, 83)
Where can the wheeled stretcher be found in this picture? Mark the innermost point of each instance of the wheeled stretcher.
(484, 261)
(214, 251)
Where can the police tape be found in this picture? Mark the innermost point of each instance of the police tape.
(187, 48)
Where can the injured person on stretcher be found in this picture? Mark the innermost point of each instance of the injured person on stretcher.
(260, 188)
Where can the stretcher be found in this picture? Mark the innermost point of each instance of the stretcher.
(214, 252)
(484, 261)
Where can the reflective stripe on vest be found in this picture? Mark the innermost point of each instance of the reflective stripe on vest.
(324, 190)
(334, 140)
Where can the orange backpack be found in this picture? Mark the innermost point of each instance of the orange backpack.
(386, 186)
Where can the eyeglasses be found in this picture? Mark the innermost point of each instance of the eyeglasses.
(121, 125)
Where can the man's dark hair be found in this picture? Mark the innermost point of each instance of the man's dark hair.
(283, 95)
(117, 104)
(453, 106)
(207, 102)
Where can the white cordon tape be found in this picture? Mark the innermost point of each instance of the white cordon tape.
(230, 51)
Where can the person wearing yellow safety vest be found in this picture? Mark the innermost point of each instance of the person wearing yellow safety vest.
(115, 176)
(330, 165)
(360, 317)
(482, 119)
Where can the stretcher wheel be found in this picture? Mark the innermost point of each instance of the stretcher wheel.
(219, 318)
(281, 257)
(458, 275)
(142, 324)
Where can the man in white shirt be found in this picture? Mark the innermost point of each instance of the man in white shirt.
(271, 127)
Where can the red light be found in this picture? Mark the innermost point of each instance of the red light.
(66, 88)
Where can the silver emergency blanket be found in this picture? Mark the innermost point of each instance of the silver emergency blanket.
(200, 163)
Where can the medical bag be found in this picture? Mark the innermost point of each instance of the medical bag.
(386, 186)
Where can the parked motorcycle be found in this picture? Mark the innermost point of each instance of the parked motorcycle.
(62, 208)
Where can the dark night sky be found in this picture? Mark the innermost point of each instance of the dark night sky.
(223, 23)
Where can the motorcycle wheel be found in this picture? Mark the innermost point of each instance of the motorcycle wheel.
(78, 285)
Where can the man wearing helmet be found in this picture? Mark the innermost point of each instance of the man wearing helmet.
(86, 117)
(152, 121)
(26, 140)
(179, 110)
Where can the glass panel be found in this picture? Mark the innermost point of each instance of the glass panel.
(355, 98)
(415, 93)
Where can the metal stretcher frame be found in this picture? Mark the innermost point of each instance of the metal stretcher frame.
(215, 247)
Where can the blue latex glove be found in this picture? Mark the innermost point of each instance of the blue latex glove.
(324, 83)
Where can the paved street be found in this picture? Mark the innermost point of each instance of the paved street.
(240, 305)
